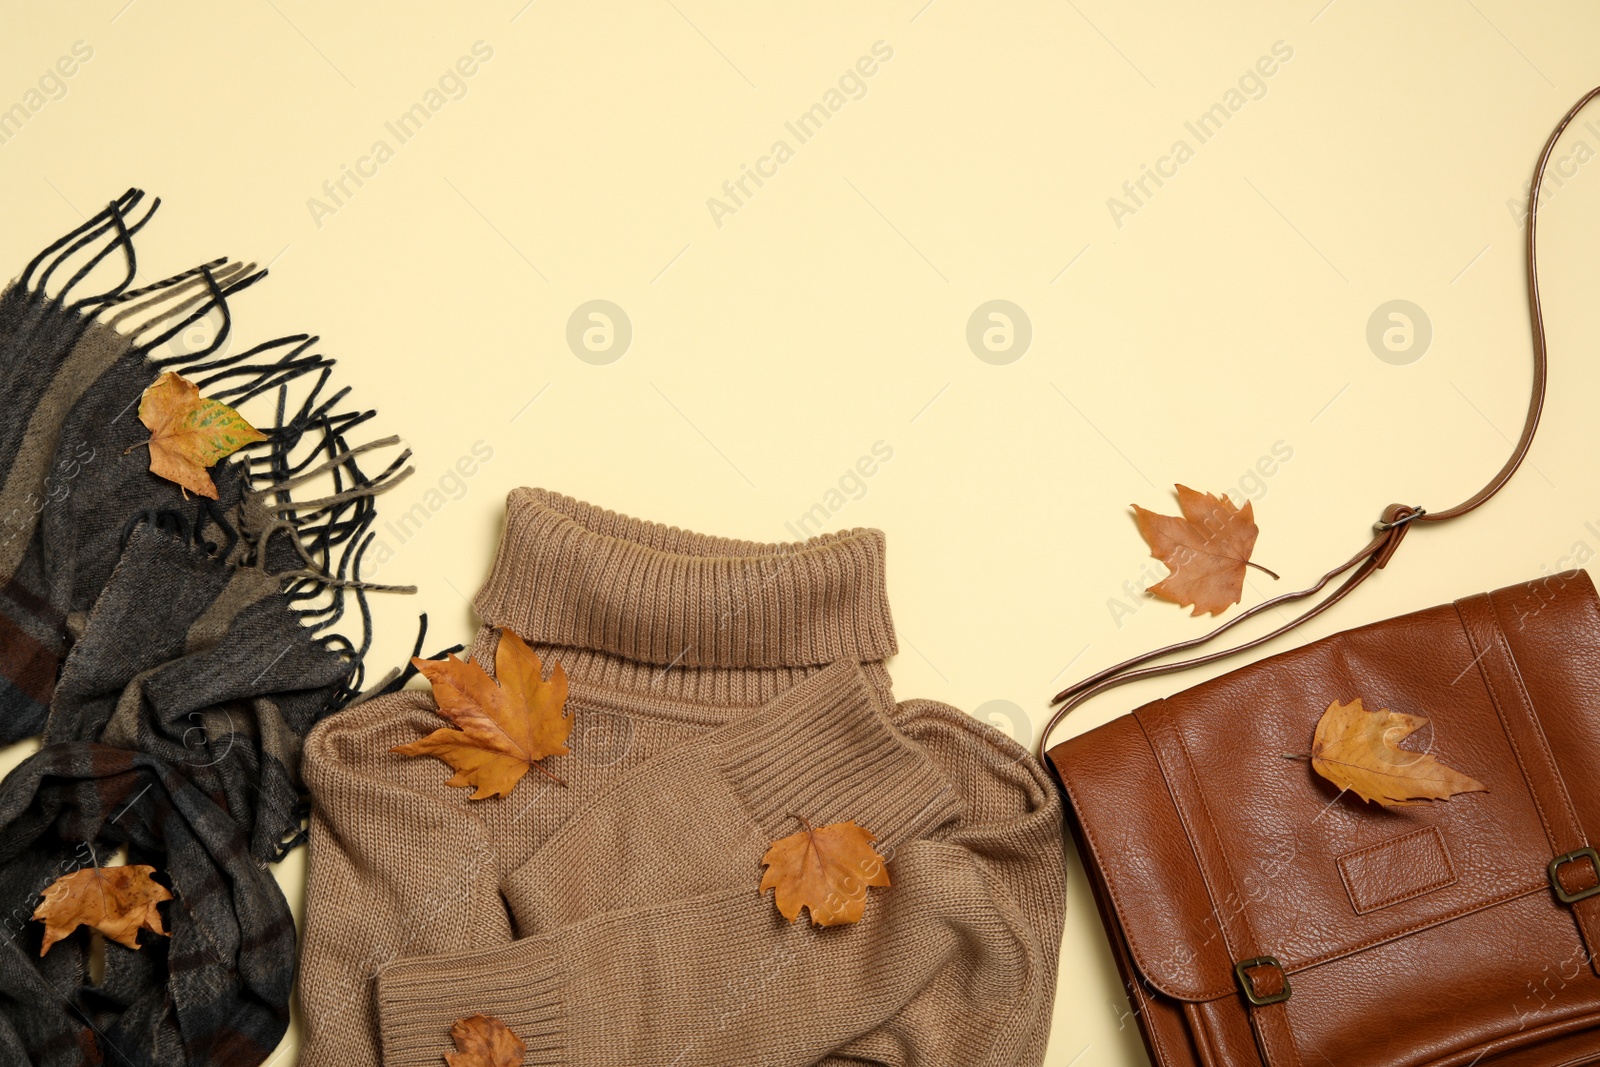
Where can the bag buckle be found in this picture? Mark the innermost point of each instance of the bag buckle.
(1247, 985)
(1411, 515)
(1585, 853)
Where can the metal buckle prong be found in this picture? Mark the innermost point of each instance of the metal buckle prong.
(1247, 985)
(1411, 516)
(1585, 853)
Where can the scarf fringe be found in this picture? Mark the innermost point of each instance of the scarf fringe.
(326, 535)
(397, 677)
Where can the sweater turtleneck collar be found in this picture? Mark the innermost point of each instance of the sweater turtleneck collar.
(574, 575)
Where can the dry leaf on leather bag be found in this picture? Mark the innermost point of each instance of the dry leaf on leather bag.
(825, 870)
(1359, 750)
(504, 728)
(188, 432)
(1207, 550)
(484, 1041)
(117, 901)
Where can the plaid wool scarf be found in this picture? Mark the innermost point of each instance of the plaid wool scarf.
(215, 993)
(167, 646)
(217, 675)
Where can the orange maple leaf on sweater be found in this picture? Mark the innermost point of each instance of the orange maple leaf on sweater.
(826, 870)
(504, 728)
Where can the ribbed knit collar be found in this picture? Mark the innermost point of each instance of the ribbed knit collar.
(575, 575)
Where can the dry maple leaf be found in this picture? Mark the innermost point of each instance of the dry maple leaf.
(484, 1041)
(117, 901)
(188, 432)
(1207, 550)
(824, 870)
(1359, 750)
(504, 728)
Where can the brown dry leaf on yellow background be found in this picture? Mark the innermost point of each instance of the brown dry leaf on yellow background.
(825, 870)
(484, 1041)
(1207, 550)
(188, 432)
(1359, 750)
(117, 901)
(504, 728)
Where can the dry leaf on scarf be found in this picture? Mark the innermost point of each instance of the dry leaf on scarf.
(188, 432)
(117, 901)
(504, 728)
(484, 1041)
(1207, 550)
(1359, 750)
(826, 870)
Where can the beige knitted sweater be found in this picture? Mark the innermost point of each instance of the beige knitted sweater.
(719, 688)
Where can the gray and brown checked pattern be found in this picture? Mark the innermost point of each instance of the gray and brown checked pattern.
(215, 993)
(173, 651)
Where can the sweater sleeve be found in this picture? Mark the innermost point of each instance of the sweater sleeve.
(722, 979)
(1011, 824)
(396, 867)
(699, 818)
(673, 955)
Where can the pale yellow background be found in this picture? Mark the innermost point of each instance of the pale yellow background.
(829, 312)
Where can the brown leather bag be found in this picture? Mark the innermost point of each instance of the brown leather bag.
(1260, 916)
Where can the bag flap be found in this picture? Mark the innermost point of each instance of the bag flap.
(1318, 875)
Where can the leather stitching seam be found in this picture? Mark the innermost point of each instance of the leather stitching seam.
(1262, 1018)
(1584, 917)
(1222, 855)
(1537, 729)
(1406, 931)
(1116, 898)
(1184, 818)
(1505, 726)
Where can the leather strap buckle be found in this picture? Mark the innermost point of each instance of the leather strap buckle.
(1247, 985)
(1585, 853)
(1411, 515)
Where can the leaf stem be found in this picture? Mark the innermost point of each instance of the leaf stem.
(811, 843)
(547, 773)
(1263, 570)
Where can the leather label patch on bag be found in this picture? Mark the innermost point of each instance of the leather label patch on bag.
(1398, 869)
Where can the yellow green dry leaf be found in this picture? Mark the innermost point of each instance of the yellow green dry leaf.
(826, 871)
(117, 901)
(504, 728)
(188, 432)
(484, 1041)
(1359, 750)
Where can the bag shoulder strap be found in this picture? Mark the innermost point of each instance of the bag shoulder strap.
(1388, 531)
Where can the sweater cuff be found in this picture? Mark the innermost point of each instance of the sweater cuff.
(835, 756)
(520, 984)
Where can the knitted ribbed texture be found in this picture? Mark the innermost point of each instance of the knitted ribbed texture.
(839, 758)
(525, 982)
(617, 919)
(697, 818)
(722, 686)
(720, 980)
(569, 573)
